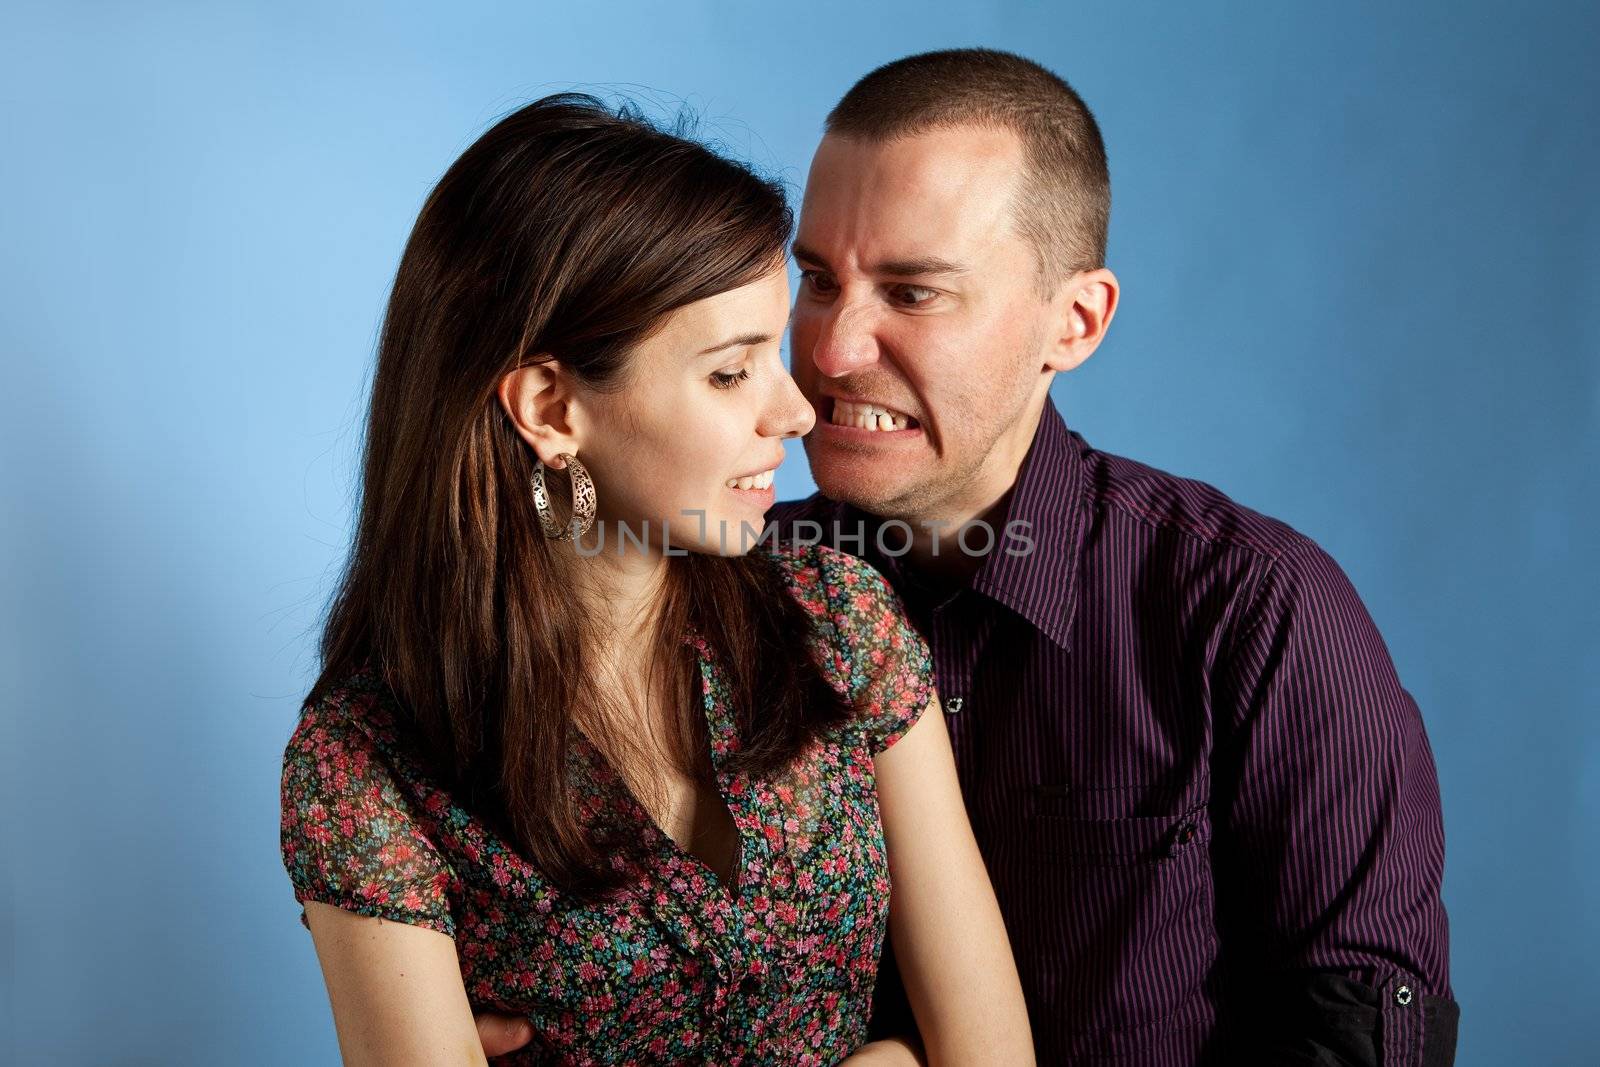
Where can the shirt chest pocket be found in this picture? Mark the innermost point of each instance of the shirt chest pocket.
(1125, 923)
(1124, 841)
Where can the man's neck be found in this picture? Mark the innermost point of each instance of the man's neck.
(936, 540)
(936, 546)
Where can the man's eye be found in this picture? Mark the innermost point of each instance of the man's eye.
(819, 282)
(913, 295)
(727, 381)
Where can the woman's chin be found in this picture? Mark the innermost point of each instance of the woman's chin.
(732, 529)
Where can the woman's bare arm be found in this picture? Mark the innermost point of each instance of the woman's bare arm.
(396, 991)
(949, 938)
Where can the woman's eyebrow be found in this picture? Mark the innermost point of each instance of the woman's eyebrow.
(739, 342)
(745, 339)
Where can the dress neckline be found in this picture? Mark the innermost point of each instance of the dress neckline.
(733, 790)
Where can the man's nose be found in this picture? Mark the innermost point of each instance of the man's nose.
(845, 343)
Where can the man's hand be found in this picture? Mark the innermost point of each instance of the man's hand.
(501, 1034)
(897, 1052)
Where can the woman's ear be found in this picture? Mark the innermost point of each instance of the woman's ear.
(1082, 307)
(541, 399)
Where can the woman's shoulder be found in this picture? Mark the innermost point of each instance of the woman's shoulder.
(828, 581)
(351, 741)
(875, 653)
(356, 827)
(356, 709)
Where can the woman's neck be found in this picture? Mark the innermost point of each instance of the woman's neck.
(622, 593)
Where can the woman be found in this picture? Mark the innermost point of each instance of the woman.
(605, 769)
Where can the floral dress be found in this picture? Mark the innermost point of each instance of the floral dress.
(679, 968)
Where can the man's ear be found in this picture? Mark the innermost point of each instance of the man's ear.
(1081, 311)
(541, 400)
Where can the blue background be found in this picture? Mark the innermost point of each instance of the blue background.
(1360, 252)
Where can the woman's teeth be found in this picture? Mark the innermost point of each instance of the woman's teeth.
(868, 416)
(753, 481)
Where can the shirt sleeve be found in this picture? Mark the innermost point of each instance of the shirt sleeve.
(1330, 839)
(348, 836)
(890, 669)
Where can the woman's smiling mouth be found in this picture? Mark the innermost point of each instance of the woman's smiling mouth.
(757, 481)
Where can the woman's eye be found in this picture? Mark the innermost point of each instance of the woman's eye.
(817, 281)
(723, 380)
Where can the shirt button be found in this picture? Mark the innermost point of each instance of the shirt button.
(952, 705)
(1402, 996)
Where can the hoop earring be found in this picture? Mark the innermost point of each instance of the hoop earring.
(583, 501)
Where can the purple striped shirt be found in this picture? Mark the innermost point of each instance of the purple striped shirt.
(1208, 807)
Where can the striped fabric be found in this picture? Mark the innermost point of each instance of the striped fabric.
(1208, 806)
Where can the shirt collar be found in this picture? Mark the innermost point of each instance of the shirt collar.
(1046, 508)
(1039, 578)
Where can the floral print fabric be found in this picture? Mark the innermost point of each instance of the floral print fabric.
(777, 968)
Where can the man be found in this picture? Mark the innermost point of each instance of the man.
(1208, 807)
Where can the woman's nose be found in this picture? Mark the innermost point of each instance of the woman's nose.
(790, 415)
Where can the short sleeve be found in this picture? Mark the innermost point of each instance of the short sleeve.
(348, 836)
(890, 666)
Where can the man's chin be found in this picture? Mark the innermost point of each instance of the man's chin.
(882, 481)
(884, 493)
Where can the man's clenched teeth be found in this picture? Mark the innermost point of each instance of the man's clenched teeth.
(869, 416)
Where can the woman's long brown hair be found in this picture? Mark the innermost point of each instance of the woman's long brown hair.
(568, 231)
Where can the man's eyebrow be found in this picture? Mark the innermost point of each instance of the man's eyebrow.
(922, 267)
(918, 268)
(802, 252)
(739, 342)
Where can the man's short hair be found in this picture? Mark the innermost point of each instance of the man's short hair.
(1064, 201)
